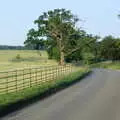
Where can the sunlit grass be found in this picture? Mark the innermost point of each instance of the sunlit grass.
(28, 58)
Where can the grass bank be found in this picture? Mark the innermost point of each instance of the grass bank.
(14, 101)
(108, 65)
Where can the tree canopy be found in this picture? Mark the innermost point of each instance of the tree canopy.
(58, 27)
(58, 33)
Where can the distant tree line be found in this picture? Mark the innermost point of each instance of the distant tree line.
(107, 48)
(29, 47)
(58, 33)
(7, 47)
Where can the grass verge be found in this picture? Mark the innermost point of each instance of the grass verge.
(107, 65)
(15, 101)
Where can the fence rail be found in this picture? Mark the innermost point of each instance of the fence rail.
(19, 79)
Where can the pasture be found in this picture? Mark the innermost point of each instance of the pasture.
(27, 58)
(20, 69)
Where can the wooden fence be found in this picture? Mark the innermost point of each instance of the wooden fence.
(19, 79)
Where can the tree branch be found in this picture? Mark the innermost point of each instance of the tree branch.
(78, 48)
(74, 50)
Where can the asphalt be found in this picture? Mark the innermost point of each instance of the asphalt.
(96, 97)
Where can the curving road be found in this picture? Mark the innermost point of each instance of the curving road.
(97, 97)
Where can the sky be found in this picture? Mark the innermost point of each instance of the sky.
(17, 16)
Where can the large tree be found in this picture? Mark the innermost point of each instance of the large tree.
(58, 26)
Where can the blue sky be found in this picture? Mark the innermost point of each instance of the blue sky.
(17, 16)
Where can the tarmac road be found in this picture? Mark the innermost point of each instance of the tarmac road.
(96, 97)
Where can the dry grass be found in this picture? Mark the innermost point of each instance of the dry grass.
(28, 58)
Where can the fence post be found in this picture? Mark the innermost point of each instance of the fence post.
(16, 80)
(52, 76)
(64, 67)
(7, 83)
(23, 78)
(46, 74)
(61, 70)
(36, 76)
(41, 75)
(56, 71)
(30, 76)
(70, 68)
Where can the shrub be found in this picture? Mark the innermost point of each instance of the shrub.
(18, 57)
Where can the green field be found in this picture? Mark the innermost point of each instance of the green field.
(28, 58)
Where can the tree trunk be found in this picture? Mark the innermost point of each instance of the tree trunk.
(62, 58)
